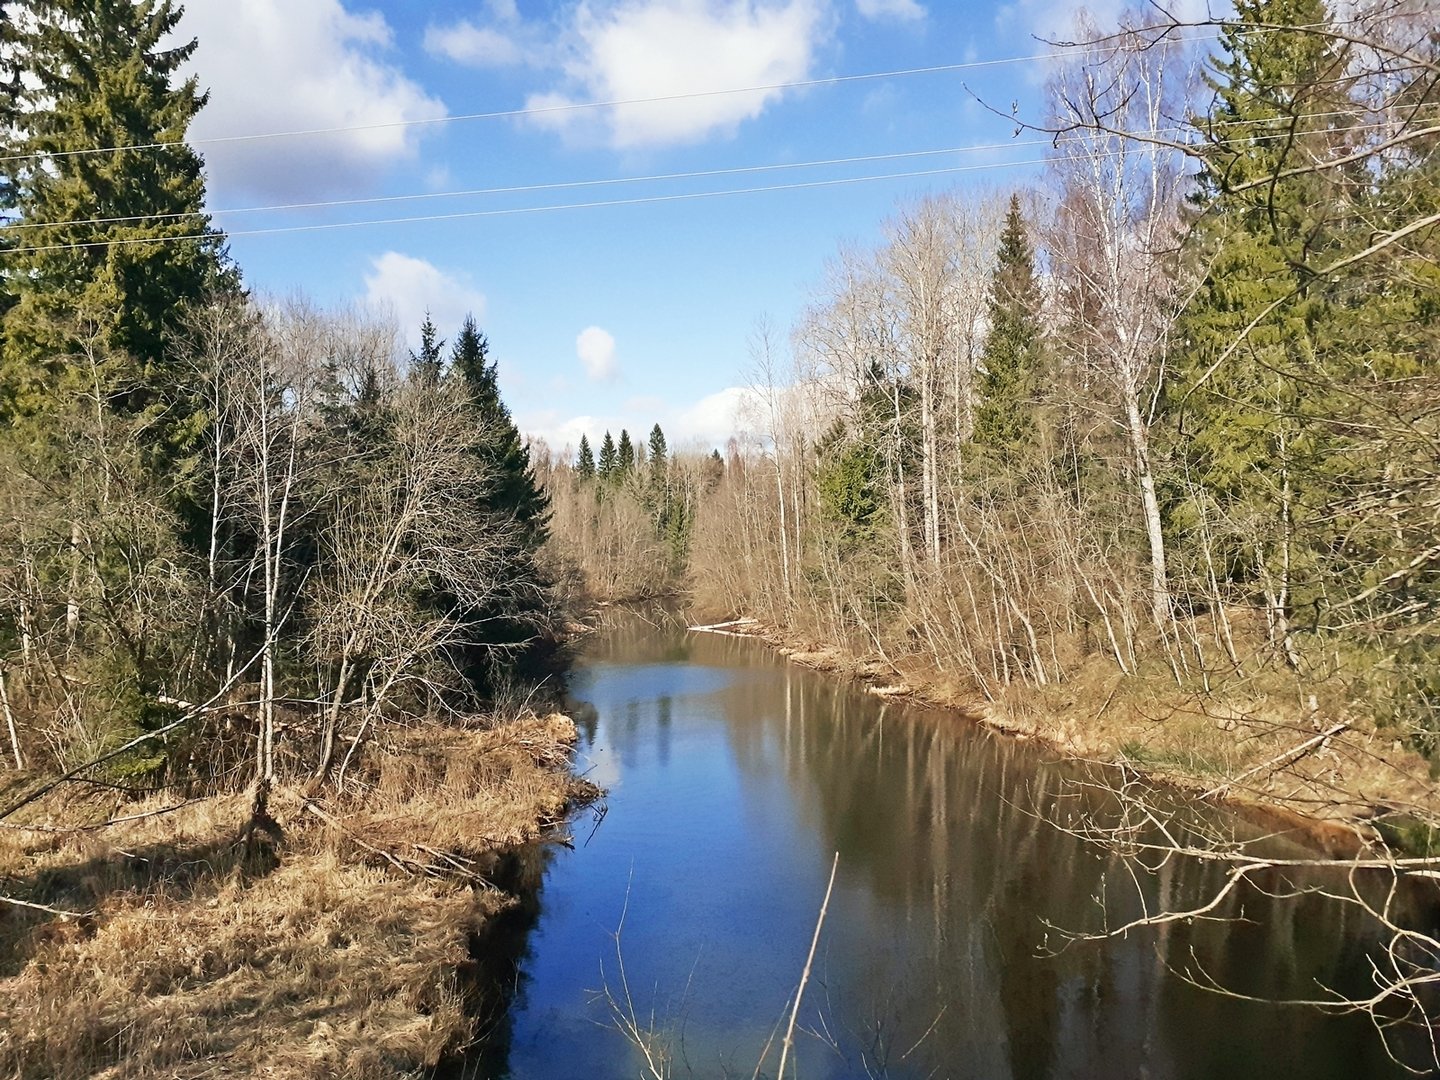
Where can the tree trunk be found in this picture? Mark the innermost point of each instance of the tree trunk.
(1160, 606)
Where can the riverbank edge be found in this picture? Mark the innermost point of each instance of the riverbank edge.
(355, 942)
(1346, 830)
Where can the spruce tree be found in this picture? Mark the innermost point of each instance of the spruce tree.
(606, 467)
(1012, 353)
(426, 365)
(624, 454)
(515, 492)
(658, 451)
(1250, 387)
(585, 460)
(115, 243)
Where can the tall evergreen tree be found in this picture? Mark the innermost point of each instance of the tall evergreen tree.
(114, 243)
(1012, 353)
(426, 364)
(624, 454)
(659, 462)
(607, 465)
(585, 460)
(515, 492)
(1250, 384)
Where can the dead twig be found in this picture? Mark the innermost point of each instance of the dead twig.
(46, 908)
(1279, 761)
(789, 1040)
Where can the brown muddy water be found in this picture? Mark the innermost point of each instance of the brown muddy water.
(734, 777)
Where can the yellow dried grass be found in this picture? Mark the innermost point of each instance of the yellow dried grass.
(332, 963)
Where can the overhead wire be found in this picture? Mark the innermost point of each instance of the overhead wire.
(575, 106)
(688, 196)
(1057, 141)
(550, 208)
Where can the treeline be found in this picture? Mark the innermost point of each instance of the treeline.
(238, 536)
(623, 520)
(1176, 408)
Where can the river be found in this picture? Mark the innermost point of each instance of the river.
(734, 777)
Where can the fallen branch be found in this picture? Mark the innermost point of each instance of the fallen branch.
(1289, 757)
(100, 824)
(789, 1041)
(724, 628)
(45, 908)
(407, 866)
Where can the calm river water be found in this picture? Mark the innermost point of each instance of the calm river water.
(734, 777)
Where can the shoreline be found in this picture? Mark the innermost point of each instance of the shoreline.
(359, 940)
(1338, 835)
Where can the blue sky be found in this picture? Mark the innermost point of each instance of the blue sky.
(606, 316)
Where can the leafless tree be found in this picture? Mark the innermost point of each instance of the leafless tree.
(1115, 242)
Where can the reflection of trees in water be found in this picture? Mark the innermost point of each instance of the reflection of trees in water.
(945, 832)
(495, 983)
(587, 721)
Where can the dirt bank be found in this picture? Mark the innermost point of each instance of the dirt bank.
(341, 947)
(1320, 774)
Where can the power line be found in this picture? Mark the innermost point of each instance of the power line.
(592, 204)
(514, 211)
(1057, 141)
(528, 188)
(552, 186)
(575, 106)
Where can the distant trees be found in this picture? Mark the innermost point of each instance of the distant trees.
(627, 530)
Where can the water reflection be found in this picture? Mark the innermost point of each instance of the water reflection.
(734, 777)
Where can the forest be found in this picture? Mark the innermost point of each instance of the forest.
(274, 600)
(1139, 460)
(1160, 426)
(1170, 411)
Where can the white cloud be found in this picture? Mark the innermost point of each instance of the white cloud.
(706, 424)
(288, 65)
(713, 419)
(905, 10)
(639, 49)
(479, 46)
(408, 288)
(596, 349)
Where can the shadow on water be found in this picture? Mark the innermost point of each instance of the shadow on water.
(495, 978)
(733, 778)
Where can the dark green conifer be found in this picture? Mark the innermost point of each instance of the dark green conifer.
(1249, 376)
(624, 454)
(515, 492)
(607, 464)
(1012, 355)
(585, 460)
(98, 73)
(658, 453)
(426, 366)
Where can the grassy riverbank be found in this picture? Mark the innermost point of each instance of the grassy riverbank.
(1255, 742)
(340, 944)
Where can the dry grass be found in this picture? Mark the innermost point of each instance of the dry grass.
(342, 949)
